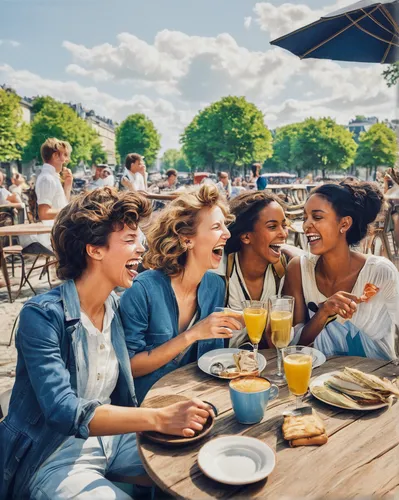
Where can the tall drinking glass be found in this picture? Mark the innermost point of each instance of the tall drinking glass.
(281, 310)
(298, 369)
(255, 317)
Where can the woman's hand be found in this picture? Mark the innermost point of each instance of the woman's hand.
(217, 325)
(183, 419)
(342, 303)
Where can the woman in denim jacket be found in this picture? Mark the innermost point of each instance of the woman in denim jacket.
(71, 419)
(168, 314)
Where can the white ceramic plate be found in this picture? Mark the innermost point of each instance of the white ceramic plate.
(236, 460)
(319, 381)
(318, 357)
(224, 356)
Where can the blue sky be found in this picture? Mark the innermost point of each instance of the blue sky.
(170, 58)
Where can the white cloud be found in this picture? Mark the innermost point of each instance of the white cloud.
(169, 121)
(247, 22)
(195, 68)
(13, 43)
(282, 19)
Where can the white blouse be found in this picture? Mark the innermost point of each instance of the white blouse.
(103, 364)
(376, 318)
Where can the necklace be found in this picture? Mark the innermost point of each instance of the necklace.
(91, 318)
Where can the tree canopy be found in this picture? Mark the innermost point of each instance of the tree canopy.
(137, 134)
(174, 158)
(283, 158)
(391, 74)
(322, 144)
(228, 133)
(377, 147)
(54, 119)
(14, 132)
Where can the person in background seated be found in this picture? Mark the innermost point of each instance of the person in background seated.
(134, 177)
(328, 285)
(73, 412)
(6, 196)
(108, 177)
(171, 181)
(224, 184)
(256, 254)
(98, 178)
(17, 185)
(168, 314)
(260, 182)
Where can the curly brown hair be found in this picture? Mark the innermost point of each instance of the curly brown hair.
(89, 220)
(178, 221)
(246, 208)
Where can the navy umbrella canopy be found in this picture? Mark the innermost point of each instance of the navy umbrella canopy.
(366, 31)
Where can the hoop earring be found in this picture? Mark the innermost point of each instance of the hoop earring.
(341, 231)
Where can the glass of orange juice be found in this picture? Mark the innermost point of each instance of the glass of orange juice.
(255, 317)
(281, 310)
(298, 369)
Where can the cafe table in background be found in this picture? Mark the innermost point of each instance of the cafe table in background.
(360, 458)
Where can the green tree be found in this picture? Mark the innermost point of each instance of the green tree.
(324, 145)
(283, 158)
(227, 134)
(98, 154)
(377, 147)
(14, 132)
(137, 134)
(54, 119)
(391, 74)
(174, 158)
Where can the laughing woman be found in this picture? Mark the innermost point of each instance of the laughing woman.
(71, 419)
(168, 313)
(329, 285)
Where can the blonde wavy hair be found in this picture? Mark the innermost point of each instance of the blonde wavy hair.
(179, 220)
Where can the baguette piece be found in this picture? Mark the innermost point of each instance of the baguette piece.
(310, 441)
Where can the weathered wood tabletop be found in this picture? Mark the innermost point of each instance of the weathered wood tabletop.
(25, 229)
(361, 457)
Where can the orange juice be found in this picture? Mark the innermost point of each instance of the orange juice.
(255, 321)
(298, 368)
(281, 323)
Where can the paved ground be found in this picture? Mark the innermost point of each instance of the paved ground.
(8, 314)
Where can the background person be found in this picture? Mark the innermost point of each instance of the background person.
(224, 184)
(260, 182)
(134, 177)
(168, 314)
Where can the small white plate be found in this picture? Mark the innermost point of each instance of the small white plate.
(236, 460)
(224, 356)
(319, 381)
(318, 357)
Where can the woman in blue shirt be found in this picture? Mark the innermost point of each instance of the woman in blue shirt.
(71, 422)
(168, 313)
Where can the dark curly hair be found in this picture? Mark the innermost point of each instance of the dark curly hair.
(362, 201)
(246, 208)
(89, 219)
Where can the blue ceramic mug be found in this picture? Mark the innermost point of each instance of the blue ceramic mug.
(249, 397)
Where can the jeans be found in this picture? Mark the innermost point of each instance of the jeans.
(77, 469)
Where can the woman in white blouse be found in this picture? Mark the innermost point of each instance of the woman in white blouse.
(329, 284)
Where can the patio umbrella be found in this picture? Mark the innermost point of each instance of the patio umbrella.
(366, 31)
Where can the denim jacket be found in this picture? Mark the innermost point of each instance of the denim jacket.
(51, 371)
(150, 318)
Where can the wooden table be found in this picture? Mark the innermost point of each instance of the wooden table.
(18, 230)
(361, 457)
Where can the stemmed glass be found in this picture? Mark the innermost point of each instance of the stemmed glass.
(298, 369)
(281, 310)
(255, 317)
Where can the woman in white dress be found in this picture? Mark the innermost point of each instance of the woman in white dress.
(329, 284)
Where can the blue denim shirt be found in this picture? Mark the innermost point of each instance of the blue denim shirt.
(150, 318)
(51, 371)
